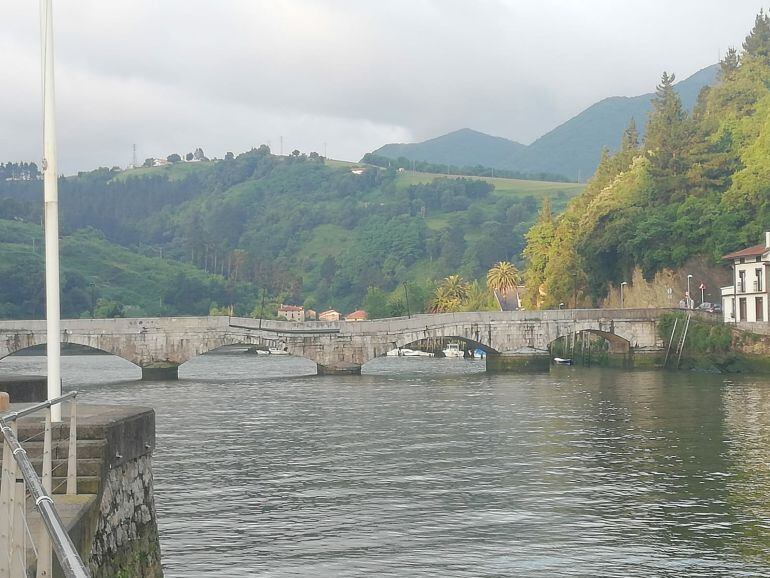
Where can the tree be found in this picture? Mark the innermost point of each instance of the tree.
(450, 294)
(729, 64)
(174, 158)
(757, 43)
(149, 162)
(188, 157)
(198, 155)
(540, 239)
(229, 156)
(667, 137)
(630, 140)
(443, 301)
(503, 277)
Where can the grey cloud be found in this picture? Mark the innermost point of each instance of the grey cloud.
(228, 75)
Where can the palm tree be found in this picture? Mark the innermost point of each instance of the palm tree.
(456, 286)
(503, 277)
(443, 301)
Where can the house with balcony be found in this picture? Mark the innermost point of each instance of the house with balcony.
(747, 299)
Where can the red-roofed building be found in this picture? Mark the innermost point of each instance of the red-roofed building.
(358, 315)
(747, 299)
(292, 312)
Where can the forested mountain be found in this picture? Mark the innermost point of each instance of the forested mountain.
(699, 184)
(299, 229)
(571, 150)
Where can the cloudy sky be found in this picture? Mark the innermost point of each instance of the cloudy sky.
(350, 75)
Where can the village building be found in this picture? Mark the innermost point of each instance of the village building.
(292, 312)
(329, 315)
(311, 315)
(747, 298)
(357, 315)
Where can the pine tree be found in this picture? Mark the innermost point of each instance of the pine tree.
(757, 43)
(729, 64)
(630, 140)
(667, 131)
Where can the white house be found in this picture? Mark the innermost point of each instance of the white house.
(747, 299)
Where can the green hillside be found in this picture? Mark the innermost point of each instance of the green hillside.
(105, 279)
(299, 229)
(698, 185)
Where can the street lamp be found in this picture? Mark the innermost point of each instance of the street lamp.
(689, 299)
(621, 293)
(406, 298)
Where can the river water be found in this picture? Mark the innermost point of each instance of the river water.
(431, 467)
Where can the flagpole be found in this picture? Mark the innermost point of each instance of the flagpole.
(51, 212)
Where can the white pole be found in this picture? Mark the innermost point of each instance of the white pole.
(51, 201)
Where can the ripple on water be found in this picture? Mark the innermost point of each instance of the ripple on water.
(423, 467)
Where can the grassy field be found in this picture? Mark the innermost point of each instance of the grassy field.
(174, 172)
(506, 187)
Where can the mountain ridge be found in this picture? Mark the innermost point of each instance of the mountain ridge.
(571, 149)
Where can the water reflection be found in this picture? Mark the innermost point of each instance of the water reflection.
(426, 467)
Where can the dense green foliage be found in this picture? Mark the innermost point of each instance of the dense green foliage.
(298, 228)
(106, 280)
(571, 149)
(698, 185)
(464, 170)
(703, 337)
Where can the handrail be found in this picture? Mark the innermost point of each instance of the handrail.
(69, 559)
(14, 415)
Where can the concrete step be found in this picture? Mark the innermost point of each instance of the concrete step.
(59, 467)
(87, 449)
(86, 485)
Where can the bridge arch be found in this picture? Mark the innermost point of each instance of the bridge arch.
(472, 343)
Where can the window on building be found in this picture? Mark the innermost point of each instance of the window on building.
(758, 280)
(742, 281)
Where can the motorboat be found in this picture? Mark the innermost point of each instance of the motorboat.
(562, 361)
(453, 350)
(277, 351)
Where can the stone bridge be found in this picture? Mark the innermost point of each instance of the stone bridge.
(511, 338)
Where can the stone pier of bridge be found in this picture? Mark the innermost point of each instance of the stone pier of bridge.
(513, 340)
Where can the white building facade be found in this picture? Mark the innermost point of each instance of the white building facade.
(747, 299)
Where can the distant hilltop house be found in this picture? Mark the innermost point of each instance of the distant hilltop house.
(358, 170)
(747, 298)
(329, 315)
(357, 315)
(292, 312)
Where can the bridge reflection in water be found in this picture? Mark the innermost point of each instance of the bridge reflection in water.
(513, 339)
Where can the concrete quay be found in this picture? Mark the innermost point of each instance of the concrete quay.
(112, 520)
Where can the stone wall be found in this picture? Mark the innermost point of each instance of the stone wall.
(125, 543)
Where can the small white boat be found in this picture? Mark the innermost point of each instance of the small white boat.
(415, 353)
(277, 351)
(406, 352)
(562, 361)
(453, 350)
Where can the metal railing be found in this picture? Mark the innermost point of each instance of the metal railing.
(19, 478)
